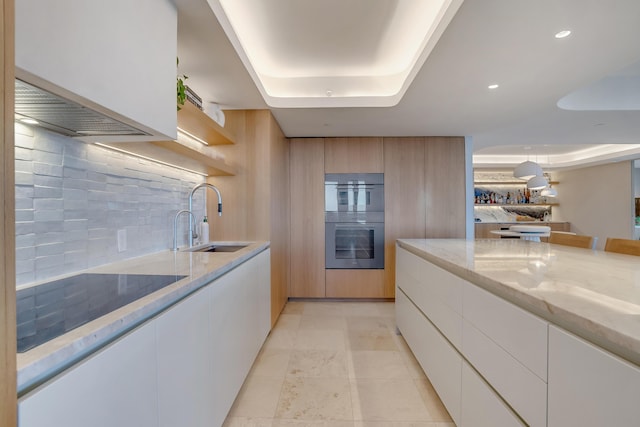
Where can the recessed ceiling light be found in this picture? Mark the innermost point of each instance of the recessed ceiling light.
(562, 34)
(493, 86)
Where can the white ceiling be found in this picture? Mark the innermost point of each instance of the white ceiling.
(508, 42)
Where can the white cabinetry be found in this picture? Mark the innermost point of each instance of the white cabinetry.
(183, 367)
(185, 372)
(485, 357)
(118, 54)
(589, 386)
(482, 407)
(115, 387)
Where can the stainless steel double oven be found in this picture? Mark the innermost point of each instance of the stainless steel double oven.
(354, 221)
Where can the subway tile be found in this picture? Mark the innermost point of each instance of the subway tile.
(47, 192)
(24, 215)
(25, 254)
(44, 157)
(25, 266)
(23, 153)
(74, 173)
(26, 240)
(26, 227)
(48, 215)
(47, 181)
(49, 237)
(40, 204)
(75, 224)
(49, 261)
(74, 194)
(48, 144)
(24, 140)
(49, 249)
(24, 178)
(48, 226)
(47, 169)
(23, 166)
(81, 184)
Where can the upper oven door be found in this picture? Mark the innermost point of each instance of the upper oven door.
(356, 193)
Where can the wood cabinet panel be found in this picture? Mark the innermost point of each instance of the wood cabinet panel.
(404, 192)
(353, 155)
(355, 283)
(7, 220)
(445, 187)
(307, 218)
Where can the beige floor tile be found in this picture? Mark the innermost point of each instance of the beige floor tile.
(258, 397)
(370, 340)
(401, 424)
(280, 338)
(248, 422)
(377, 364)
(272, 362)
(318, 363)
(333, 323)
(369, 323)
(321, 308)
(288, 321)
(293, 307)
(386, 309)
(315, 399)
(309, 423)
(320, 340)
(389, 400)
(363, 308)
(434, 405)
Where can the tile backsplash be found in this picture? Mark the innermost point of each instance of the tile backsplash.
(72, 198)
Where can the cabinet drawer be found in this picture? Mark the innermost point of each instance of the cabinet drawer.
(519, 333)
(437, 293)
(481, 407)
(439, 360)
(521, 388)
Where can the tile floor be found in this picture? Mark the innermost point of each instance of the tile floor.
(337, 364)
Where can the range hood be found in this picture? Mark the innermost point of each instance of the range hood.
(66, 117)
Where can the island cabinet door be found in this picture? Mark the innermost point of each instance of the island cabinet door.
(115, 387)
(185, 372)
(589, 386)
(438, 358)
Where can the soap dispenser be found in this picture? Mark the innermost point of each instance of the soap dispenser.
(204, 230)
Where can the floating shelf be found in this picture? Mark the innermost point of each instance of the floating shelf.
(197, 123)
(187, 153)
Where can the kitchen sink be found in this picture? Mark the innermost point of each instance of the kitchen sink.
(218, 247)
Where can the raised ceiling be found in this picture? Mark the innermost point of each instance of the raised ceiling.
(507, 42)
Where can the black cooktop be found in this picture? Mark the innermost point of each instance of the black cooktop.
(51, 309)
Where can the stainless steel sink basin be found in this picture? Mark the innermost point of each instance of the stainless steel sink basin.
(217, 247)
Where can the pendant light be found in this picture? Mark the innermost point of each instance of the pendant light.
(549, 192)
(537, 182)
(527, 170)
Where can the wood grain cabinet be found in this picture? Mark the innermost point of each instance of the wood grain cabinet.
(307, 218)
(353, 155)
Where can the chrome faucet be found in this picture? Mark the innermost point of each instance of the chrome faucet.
(175, 227)
(192, 218)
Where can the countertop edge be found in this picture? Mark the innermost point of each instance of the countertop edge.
(615, 342)
(44, 362)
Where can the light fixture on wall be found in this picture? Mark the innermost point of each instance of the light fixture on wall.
(527, 170)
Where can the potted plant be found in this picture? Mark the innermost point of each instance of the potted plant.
(182, 96)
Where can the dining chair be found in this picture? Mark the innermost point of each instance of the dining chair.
(623, 246)
(571, 239)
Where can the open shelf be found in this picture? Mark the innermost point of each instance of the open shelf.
(197, 123)
(515, 205)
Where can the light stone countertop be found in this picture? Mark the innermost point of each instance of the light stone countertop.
(46, 360)
(593, 294)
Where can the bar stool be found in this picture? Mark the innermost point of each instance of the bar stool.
(623, 246)
(572, 239)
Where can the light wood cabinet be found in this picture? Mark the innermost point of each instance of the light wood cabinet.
(354, 283)
(353, 155)
(307, 218)
(7, 219)
(445, 187)
(404, 193)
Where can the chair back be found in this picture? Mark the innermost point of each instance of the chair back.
(575, 240)
(622, 246)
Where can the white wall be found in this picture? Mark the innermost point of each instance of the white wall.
(597, 201)
(72, 198)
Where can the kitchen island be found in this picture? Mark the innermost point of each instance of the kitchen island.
(180, 353)
(527, 333)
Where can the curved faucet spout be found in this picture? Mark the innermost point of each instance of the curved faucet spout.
(175, 227)
(202, 185)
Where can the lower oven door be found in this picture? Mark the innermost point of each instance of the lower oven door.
(354, 245)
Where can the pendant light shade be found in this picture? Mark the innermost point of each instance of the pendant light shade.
(527, 170)
(537, 183)
(549, 192)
